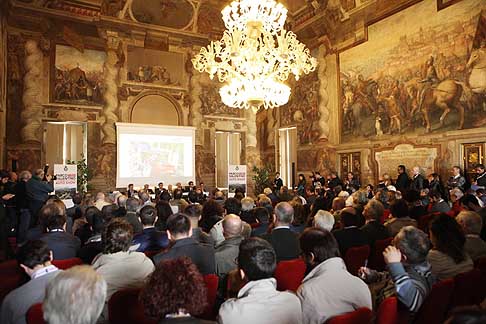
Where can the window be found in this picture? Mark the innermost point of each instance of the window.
(228, 152)
(287, 155)
(64, 141)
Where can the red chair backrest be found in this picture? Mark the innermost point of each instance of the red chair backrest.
(377, 261)
(255, 225)
(289, 274)
(360, 316)
(386, 214)
(67, 263)
(124, 308)
(35, 315)
(434, 309)
(212, 282)
(12, 276)
(466, 288)
(356, 257)
(390, 311)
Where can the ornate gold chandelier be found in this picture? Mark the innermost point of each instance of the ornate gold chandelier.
(255, 55)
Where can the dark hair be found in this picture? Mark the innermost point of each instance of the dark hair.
(262, 214)
(193, 210)
(163, 211)
(349, 219)
(320, 243)
(33, 253)
(109, 211)
(212, 208)
(257, 259)
(77, 198)
(299, 213)
(399, 208)
(480, 166)
(232, 206)
(174, 285)
(178, 224)
(319, 204)
(117, 236)
(45, 212)
(469, 199)
(56, 221)
(148, 215)
(94, 218)
(467, 315)
(402, 167)
(449, 237)
(435, 194)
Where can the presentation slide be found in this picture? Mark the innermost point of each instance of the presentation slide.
(149, 154)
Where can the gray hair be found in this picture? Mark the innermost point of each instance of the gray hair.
(132, 204)
(75, 296)
(247, 204)
(470, 221)
(374, 210)
(144, 196)
(324, 220)
(25, 175)
(267, 191)
(284, 213)
(413, 243)
(122, 201)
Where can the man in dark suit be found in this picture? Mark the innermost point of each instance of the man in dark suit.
(418, 181)
(284, 241)
(350, 235)
(439, 205)
(277, 182)
(150, 239)
(480, 179)
(402, 180)
(374, 230)
(63, 245)
(179, 231)
(38, 192)
(130, 191)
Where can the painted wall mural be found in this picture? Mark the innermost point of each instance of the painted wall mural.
(413, 74)
(77, 76)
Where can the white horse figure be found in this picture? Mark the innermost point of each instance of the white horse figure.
(477, 64)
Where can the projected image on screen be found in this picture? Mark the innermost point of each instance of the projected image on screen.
(153, 154)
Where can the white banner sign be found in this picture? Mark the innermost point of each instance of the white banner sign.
(236, 178)
(66, 182)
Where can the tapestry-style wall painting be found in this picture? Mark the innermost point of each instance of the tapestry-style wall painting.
(154, 67)
(416, 73)
(78, 76)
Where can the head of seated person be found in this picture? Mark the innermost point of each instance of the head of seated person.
(117, 236)
(317, 246)
(413, 243)
(448, 237)
(256, 259)
(175, 288)
(34, 255)
(148, 216)
(75, 296)
(349, 217)
(178, 227)
(284, 214)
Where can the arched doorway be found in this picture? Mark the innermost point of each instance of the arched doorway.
(155, 108)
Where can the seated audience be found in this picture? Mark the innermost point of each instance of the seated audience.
(264, 201)
(439, 205)
(350, 235)
(35, 259)
(374, 230)
(448, 256)
(180, 233)
(163, 212)
(131, 216)
(120, 267)
(300, 216)
(247, 205)
(259, 301)
(35, 233)
(262, 215)
(212, 213)
(284, 241)
(226, 252)
(409, 276)
(174, 293)
(177, 201)
(150, 239)
(324, 220)
(328, 289)
(270, 194)
(471, 223)
(93, 246)
(145, 199)
(63, 245)
(399, 217)
(75, 296)
(194, 213)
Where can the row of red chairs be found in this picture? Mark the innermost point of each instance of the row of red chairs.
(125, 308)
(465, 289)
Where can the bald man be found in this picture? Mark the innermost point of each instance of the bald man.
(226, 252)
(418, 181)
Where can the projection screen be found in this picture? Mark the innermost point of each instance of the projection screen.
(149, 154)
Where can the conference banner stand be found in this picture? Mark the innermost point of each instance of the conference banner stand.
(66, 182)
(236, 179)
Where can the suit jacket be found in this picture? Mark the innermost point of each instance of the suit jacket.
(201, 255)
(458, 182)
(440, 207)
(349, 237)
(202, 237)
(417, 183)
(38, 190)
(62, 244)
(402, 182)
(225, 255)
(285, 242)
(260, 230)
(475, 247)
(481, 180)
(16, 304)
(374, 231)
(150, 240)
